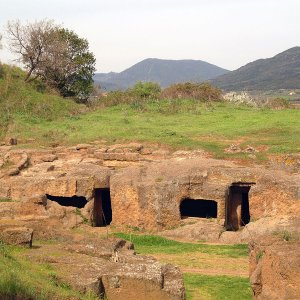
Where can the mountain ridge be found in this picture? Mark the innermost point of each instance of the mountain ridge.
(281, 71)
(161, 71)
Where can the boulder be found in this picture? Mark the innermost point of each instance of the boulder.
(20, 236)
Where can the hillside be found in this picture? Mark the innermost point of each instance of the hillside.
(37, 117)
(279, 72)
(164, 72)
(33, 102)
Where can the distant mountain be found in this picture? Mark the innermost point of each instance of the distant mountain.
(279, 72)
(164, 72)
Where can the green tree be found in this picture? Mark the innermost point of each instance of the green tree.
(73, 77)
(55, 54)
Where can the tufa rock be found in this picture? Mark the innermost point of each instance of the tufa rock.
(11, 141)
(275, 268)
(20, 236)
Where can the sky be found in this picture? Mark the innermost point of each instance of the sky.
(227, 33)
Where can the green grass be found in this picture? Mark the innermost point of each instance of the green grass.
(152, 244)
(212, 128)
(217, 287)
(24, 279)
(31, 102)
(198, 286)
(31, 112)
(5, 200)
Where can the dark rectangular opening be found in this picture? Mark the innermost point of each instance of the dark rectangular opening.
(102, 212)
(245, 217)
(237, 206)
(198, 208)
(75, 201)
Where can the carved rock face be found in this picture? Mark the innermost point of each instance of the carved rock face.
(275, 268)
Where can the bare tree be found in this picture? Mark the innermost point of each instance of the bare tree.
(33, 43)
(56, 55)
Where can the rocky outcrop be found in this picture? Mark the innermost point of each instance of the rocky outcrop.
(262, 227)
(20, 236)
(151, 194)
(110, 268)
(275, 267)
(146, 185)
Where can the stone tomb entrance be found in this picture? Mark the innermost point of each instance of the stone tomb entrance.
(237, 206)
(198, 208)
(102, 213)
(74, 201)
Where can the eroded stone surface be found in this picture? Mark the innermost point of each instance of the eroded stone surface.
(20, 236)
(152, 193)
(275, 268)
(143, 186)
(91, 264)
(147, 186)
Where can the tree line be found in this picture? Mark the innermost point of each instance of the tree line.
(55, 55)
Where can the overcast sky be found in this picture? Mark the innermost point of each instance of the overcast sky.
(228, 33)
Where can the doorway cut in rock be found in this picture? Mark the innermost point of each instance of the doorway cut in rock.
(198, 208)
(102, 212)
(74, 201)
(237, 206)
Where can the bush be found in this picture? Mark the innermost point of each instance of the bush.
(114, 98)
(135, 96)
(277, 103)
(198, 91)
(146, 90)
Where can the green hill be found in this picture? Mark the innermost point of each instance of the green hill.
(279, 72)
(38, 117)
(31, 102)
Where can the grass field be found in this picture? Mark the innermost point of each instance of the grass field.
(32, 112)
(151, 244)
(190, 257)
(196, 125)
(216, 287)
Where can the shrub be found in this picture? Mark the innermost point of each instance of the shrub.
(197, 91)
(277, 103)
(148, 90)
(134, 96)
(114, 98)
(286, 236)
(259, 255)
